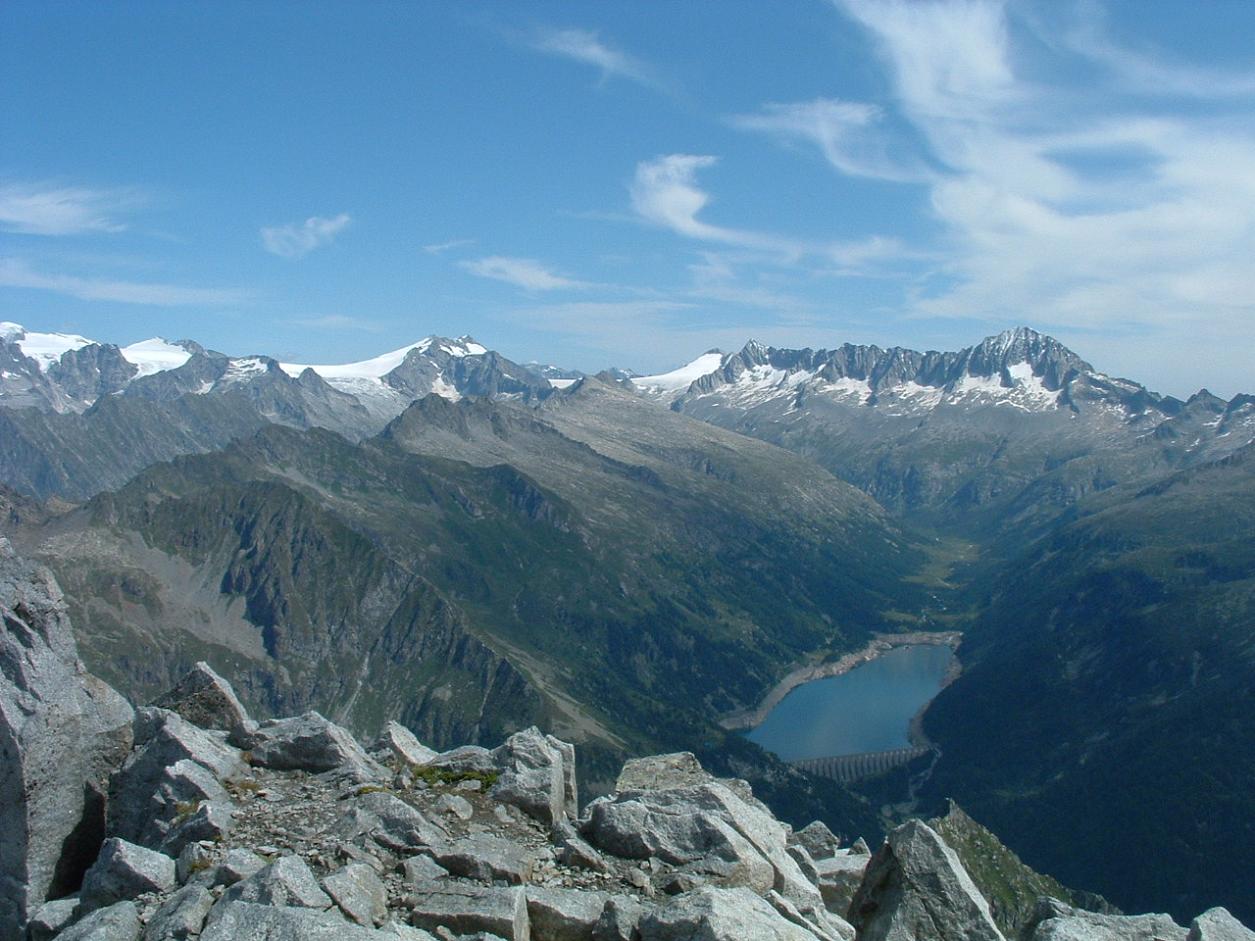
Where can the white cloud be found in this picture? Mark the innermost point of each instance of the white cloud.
(665, 192)
(1134, 216)
(525, 273)
(439, 248)
(840, 129)
(299, 239)
(46, 209)
(584, 46)
(16, 274)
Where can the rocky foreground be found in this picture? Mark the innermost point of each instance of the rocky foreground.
(187, 819)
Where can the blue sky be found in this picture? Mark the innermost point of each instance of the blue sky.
(631, 184)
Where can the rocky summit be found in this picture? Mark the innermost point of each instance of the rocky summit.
(186, 818)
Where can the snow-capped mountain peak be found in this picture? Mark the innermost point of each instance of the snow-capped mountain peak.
(155, 355)
(677, 380)
(377, 367)
(44, 348)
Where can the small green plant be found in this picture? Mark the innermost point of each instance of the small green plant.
(446, 776)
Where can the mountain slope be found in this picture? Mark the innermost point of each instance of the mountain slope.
(624, 600)
(1006, 433)
(79, 417)
(1107, 695)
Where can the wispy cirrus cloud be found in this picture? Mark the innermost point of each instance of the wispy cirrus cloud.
(586, 46)
(298, 239)
(526, 273)
(1138, 213)
(50, 209)
(665, 192)
(848, 133)
(15, 273)
(439, 248)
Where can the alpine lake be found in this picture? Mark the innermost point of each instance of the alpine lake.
(867, 709)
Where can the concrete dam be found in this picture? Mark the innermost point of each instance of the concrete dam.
(846, 768)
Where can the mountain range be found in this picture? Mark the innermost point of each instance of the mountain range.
(472, 545)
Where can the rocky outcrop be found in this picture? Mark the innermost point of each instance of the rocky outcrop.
(1054, 921)
(316, 840)
(61, 731)
(1216, 924)
(205, 699)
(915, 887)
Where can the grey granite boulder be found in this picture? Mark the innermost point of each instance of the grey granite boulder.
(237, 865)
(118, 922)
(387, 820)
(466, 759)
(817, 839)
(466, 908)
(1052, 920)
(915, 887)
(536, 775)
(182, 915)
(661, 772)
(245, 921)
(175, 766)
(399, 743)
(359, 893)
(420, 869)
(286, 881)
(714, 914)
(211, 821)
(1216, 924)
(839, 878)
(313, 743)
(62, 732)
(704, 826)
(564, 914)
(487, 858)
(205, 699)
(124, 871)
(620, 919)
(52, 918)
(573, 849)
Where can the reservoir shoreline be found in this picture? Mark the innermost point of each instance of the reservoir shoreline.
(878, 646)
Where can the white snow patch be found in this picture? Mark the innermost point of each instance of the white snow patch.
(562, 383)
(979, 385)
(445, 389)
(378, 367)
(679, 379)
(43, 348)
(927, 396)
(243, 370)
(154, 355)
(1027, 391)
(374, 369)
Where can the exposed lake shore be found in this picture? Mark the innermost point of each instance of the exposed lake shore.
(878, 646)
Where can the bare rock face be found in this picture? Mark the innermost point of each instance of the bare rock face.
(915, 887)
(400, 743)
(1216, 924)
(720, 915)
(205, 699)
(310, 742)
(62, 731)
(537, 775)
(1054, 921)
(669, 808)
(123, 871)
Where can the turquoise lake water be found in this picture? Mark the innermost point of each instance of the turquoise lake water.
(867, 709)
